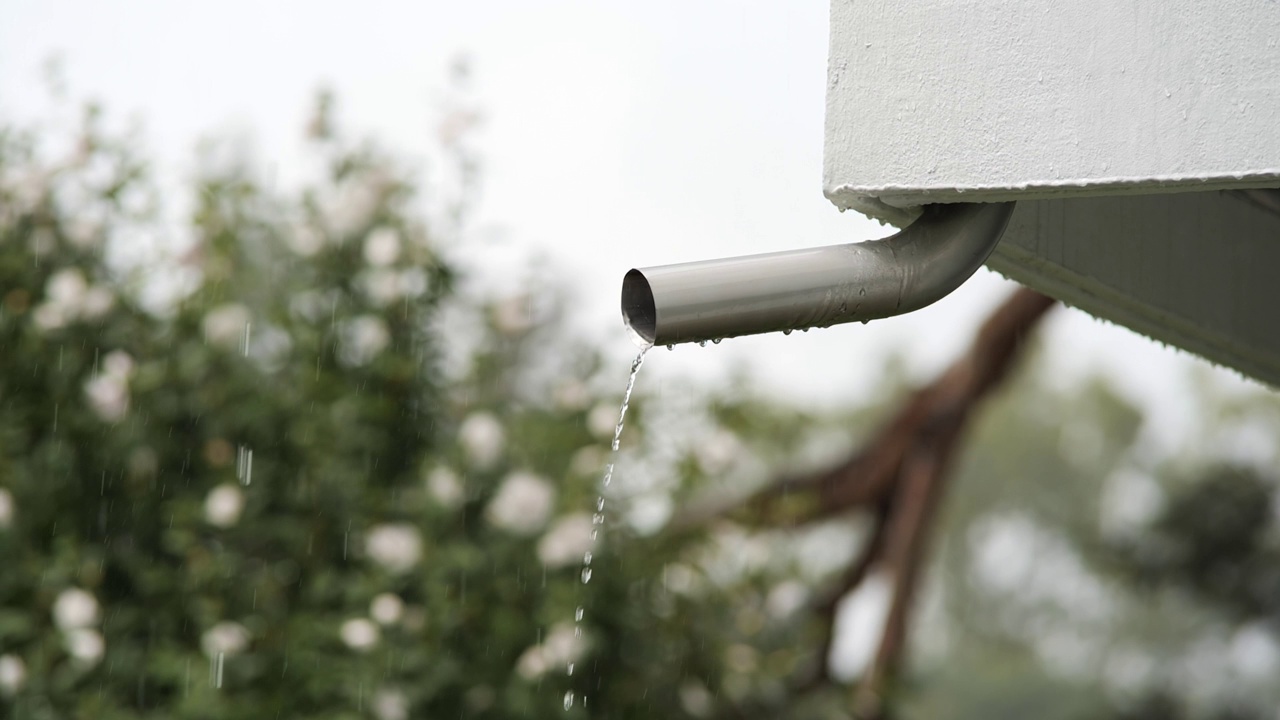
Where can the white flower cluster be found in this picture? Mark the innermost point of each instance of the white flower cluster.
(69, 297)
(384, 286)
(225, 638)
(567, 541)
(522, 504)
(564, 644)
(397, 547)
(362, 634)
(355, 202)
(76, 612)
(7, 509)
(390, 704)
(108, 391)
(382, 247)
(381, 281)
(514, 315)
(445, 488)
(13, 675)
(482, 439)
(361, 339)
(223, 505)
(359, 634)
(224, 326)
(386, 608)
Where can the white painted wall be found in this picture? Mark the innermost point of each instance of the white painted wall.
(955, 100)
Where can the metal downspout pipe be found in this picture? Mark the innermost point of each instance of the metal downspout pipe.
(816, 287)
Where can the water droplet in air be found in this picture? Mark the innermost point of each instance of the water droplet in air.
(702, 343)
(862, 292)
(671, 347)
(244, 464)
(586, 575)
(586, 558)
(568, 700)
(570, 669)
(577, 614)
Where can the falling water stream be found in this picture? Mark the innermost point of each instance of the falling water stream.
(597, 517)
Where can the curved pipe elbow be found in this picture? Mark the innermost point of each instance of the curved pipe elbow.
(815, 287)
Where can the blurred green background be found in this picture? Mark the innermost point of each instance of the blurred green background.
(296, 471)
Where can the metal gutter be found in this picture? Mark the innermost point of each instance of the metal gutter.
(816, 287)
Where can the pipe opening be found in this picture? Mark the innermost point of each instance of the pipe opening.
(638, 309)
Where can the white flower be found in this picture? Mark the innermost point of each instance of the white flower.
(67, 288)
(390, 704)
(225, 638)
(566, 541)
(514, 315)
(118, 363)
(396, 547)
(382, 246)
(85, 645)
(223, 505)
(362, 338)
(563, 645)
(532, 664)
(84, 233)
(413, 282)
(588, 460)
(109, 397)
(224, 325)
(356, 202)
(381, 286)
(68, 296)
(786, 598)
(74, 609)
(386, 608)
(444, 487)
(572, 395)
(681, 579)
(359, 634)
(6, 509)
(522, 503)
(602, 421)
(482, 439)
(13, 675)
(695, 698)
(717, 452)
(98, 300)
(50, 316)
(304, 240)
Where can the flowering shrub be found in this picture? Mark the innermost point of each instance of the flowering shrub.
(260, 495)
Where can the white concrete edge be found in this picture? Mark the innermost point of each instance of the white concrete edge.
(899, 205)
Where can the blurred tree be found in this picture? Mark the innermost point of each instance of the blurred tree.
(296, 472)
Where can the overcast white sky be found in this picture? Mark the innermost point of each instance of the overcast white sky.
(617, 136)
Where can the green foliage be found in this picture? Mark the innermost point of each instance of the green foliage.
(267, 494)
(293, 471)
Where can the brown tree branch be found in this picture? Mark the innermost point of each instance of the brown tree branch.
(826, 605)
(901, 472)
